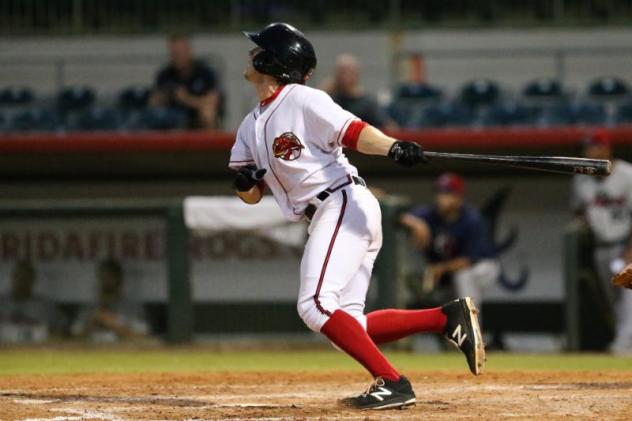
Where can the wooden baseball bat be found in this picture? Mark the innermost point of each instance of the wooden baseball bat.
(556, 164)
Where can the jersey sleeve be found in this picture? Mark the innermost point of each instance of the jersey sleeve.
(326, 122)
(240, 154)
(421, 212)
(209, 77)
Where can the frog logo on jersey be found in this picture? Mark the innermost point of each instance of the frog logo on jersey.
(287, 147)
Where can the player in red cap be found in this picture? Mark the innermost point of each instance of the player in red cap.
(454, 241)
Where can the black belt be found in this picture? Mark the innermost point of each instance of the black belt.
(310, 210)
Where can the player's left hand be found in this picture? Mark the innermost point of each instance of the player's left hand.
(407, 153)
(247, 177)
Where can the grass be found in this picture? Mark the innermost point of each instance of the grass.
(49, 361)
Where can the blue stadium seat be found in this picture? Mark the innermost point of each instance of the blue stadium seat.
(575, 113)
(420, 91)
(409, 103)
(16, 95)
(509, 113)
(159, 118)
(75, 98)
(447, 114)
(35, 119)
(624, 112)
(479, 93)
(405, 112)
(543, 88)
(133, 97)
(605, 87)
(98, 119)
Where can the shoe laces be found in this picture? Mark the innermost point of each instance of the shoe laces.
(377, 382)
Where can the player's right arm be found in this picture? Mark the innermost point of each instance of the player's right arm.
(336, 127)
(372, 141)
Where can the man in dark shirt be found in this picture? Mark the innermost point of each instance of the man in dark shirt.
(346, 91)
(188, 84)
(454, 240)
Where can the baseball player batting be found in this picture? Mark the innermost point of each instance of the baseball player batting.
(292, 142)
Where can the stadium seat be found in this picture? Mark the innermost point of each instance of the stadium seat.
(159, 118)
(624, 112)
(35, 119)
(99, 118)
(75, 98)
(447, 114)
(543, 88)
(409, 102)
(605, 87)
(480, 93)
(509, 114)
(133, 97)
(16, 95)
(420, 91)
(575, 113)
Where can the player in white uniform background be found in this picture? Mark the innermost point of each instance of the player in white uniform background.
(292, 143)
(605, 203)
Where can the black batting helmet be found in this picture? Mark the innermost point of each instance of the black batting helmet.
(287, 54)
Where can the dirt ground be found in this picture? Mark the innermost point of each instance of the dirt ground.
(312, 396)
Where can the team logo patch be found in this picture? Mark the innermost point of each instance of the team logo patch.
(287, 147)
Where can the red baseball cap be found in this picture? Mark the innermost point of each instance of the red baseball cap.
(599, 137)
(450, 182)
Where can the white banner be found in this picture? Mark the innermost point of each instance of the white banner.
(226, 264)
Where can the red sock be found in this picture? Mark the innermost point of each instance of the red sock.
(345, 331)
(390, 325)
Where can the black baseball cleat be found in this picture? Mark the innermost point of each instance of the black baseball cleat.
(383, 394)
(462, 330)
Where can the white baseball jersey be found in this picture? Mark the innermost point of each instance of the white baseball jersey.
(606, 202)
(296, 135)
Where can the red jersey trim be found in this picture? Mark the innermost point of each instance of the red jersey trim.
(352, 135)
(272, 97)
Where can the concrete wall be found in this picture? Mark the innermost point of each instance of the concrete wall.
(109, 63)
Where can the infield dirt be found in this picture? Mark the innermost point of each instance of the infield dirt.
(312, 396)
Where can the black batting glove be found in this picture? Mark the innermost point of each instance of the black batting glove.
(406, 153)
(247, 177)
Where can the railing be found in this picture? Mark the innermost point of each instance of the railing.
(108, 16)
(59, 68)
(558, 57)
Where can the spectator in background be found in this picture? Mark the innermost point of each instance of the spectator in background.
(346, 91)
(605, 205)
(454, 240)
(112, 317)
(25, 316)
(188, 84)
(417, 69)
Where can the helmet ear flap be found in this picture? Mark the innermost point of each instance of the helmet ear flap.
(263, 62)
(296, 76)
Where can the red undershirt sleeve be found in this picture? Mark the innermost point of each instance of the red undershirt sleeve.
(352, 135)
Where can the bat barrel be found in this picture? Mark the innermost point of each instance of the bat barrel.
(557, 164)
